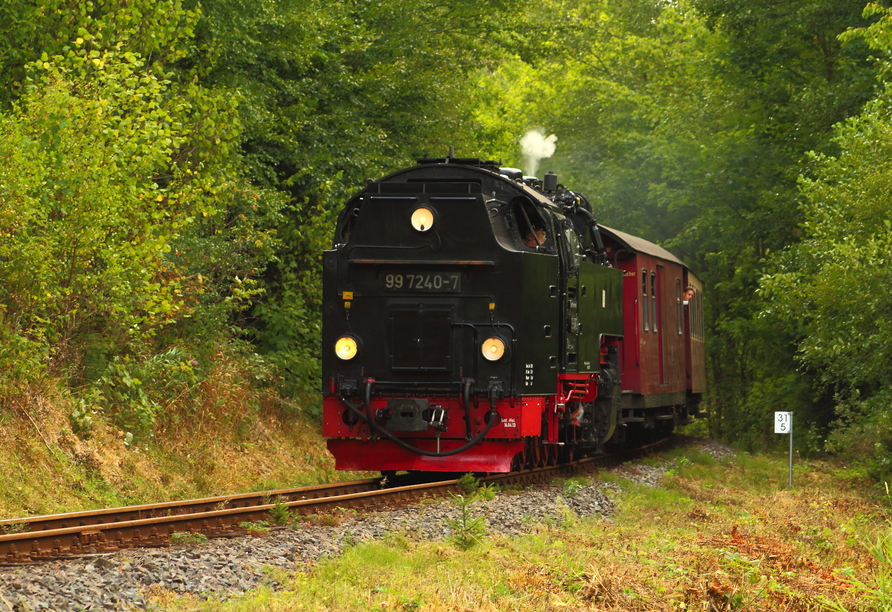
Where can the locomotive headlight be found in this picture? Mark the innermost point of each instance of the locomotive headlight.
(493, 349)
(346, 348)
(423, 219)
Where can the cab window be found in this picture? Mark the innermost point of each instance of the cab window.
(531, 226)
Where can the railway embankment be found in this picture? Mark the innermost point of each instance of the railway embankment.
(50, 465)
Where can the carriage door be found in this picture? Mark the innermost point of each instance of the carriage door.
(656, 291)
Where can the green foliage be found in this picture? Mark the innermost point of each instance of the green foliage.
(81, 420)
(468, 484)
(291, 330)
(133, 390)
(799, 79)
(467, 529)
(81, 208)
(330, 94)
(189, 538)
(863, 433)
(10, 528)
(280, 513)
(487, 492)
(833, 287)
(85, 224)
(574, 485)
(834, 284)
(255, 528)
(29, 30)
(877, 593)
(798, 64)
(128, 235)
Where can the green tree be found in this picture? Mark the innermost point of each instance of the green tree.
(124, 219)
(332, 94)
(29, 29)
(687, 123)
(834, 285)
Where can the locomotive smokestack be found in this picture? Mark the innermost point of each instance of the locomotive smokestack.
(550, 182)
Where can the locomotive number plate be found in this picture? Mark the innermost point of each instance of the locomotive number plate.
(449, 282)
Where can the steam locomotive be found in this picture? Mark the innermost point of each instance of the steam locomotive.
(476, 320)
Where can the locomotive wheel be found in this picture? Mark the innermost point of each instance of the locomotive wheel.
(600, 420)
(569, 454)
(537, 454)
(517, 462)
(521, 459)
(551, 455)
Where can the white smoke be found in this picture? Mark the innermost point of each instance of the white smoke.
(535, 146)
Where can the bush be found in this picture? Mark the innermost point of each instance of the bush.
(863, 434)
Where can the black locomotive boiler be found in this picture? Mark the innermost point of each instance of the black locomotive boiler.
(479, 321)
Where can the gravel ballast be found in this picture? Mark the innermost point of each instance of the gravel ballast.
(226, 567)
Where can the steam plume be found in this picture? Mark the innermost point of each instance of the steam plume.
(535, 146)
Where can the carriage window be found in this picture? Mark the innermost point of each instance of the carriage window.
(697, 316)
(653, 299)
(644, 302)
(679, 307)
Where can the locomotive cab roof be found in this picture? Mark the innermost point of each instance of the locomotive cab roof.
(488, 178)
(473, 170)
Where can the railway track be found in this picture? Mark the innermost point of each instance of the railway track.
(50, 537)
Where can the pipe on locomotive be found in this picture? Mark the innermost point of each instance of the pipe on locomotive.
(492, 416)
(466, 405)
(598, 243)
(577, 204)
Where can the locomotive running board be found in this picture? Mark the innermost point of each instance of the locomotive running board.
(384, 455)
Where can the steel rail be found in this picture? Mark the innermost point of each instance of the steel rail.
(191, 506)
(45, 538)
(48, 544)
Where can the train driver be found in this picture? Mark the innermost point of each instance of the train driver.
(534, 238)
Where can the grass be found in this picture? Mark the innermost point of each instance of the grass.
(256, 528)
(188, 538)
(717, 535)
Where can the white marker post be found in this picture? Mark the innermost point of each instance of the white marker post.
(783, 424)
